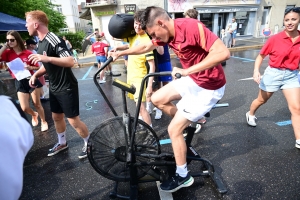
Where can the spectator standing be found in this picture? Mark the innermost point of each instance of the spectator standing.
(100, 49)
(228, 32)
(13, 49)
(75, 56)
(136, 69)
(234, 31)
(191, 13)
(31, 46)
(68, 43)
(64, 96)
(284, 60)
(223, 36)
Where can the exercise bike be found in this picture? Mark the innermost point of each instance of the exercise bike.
(126, 149)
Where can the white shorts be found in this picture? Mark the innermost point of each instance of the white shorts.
(196, 101)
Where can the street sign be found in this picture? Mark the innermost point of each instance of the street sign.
(267, 32)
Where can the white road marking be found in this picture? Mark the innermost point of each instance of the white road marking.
(251, 78)
(163, 195)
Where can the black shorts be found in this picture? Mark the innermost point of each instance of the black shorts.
(24, 87)
(66, 102)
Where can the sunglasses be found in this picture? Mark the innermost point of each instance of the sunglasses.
(10, 40)
(295, 9)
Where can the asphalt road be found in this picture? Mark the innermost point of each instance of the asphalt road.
(254, 163)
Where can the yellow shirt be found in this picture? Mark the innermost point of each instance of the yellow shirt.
(136, 67)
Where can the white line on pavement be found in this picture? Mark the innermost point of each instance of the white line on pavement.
(163, 195)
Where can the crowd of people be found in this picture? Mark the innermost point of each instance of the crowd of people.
(201, 86)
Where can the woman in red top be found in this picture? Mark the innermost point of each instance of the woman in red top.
(100, 49)
(13, 49)
(284, 59)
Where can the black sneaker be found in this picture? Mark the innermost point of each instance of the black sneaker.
(176, 182)
(83, 154)
(57, 148)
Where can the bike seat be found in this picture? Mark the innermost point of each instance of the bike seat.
(124, 86)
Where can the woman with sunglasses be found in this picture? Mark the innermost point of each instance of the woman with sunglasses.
(284, 59)
(15, 48)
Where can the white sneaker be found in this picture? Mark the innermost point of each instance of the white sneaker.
(250, 119)
(102, 81)
(198, 128)
(158, 114)
(297, 145)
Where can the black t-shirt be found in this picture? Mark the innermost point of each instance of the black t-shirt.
(61, 79)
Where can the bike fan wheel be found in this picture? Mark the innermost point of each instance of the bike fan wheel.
(107, 148)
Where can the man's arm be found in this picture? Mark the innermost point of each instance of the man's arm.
(36, 75)
(160, 50)
(89, 37)
(59, 61)
(217, 54)
(140, 49)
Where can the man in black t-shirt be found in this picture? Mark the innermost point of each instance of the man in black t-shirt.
(57, 63)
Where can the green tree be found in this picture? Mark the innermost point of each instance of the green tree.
(18, 8)
(75, 39)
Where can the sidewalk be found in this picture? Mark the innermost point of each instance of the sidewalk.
(242, 43)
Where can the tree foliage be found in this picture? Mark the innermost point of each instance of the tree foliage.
(18, 8)
(75, 39)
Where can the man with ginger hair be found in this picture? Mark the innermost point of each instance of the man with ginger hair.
(57, 63)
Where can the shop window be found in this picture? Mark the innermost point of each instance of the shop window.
(207, 20)
(242, 19)
(178, 15)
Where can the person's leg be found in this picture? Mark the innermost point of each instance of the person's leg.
(59, 122)
(60, 127)
(24, 103)
(182, 178)
(102, 73)
(79, 126)
(293, 99)
(35, 95)
(145, 115)
(162, 99)
(82, 130)
(261, 99)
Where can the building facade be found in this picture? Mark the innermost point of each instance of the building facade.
(253, 17)
(69, 9)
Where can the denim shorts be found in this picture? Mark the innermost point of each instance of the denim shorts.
(234, 34)
(101, 59)
(275, 79)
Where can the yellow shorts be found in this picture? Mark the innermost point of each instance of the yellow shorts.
(137, 84)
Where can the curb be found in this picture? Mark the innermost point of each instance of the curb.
(121, 61)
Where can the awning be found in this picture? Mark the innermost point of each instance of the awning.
(86, 15)
(8, 22)
(225, 9)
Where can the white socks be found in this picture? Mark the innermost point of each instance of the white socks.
(86, 140)
(62, 137)
(182, 170)
(298, 142)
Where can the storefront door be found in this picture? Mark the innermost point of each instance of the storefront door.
(207, 19)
